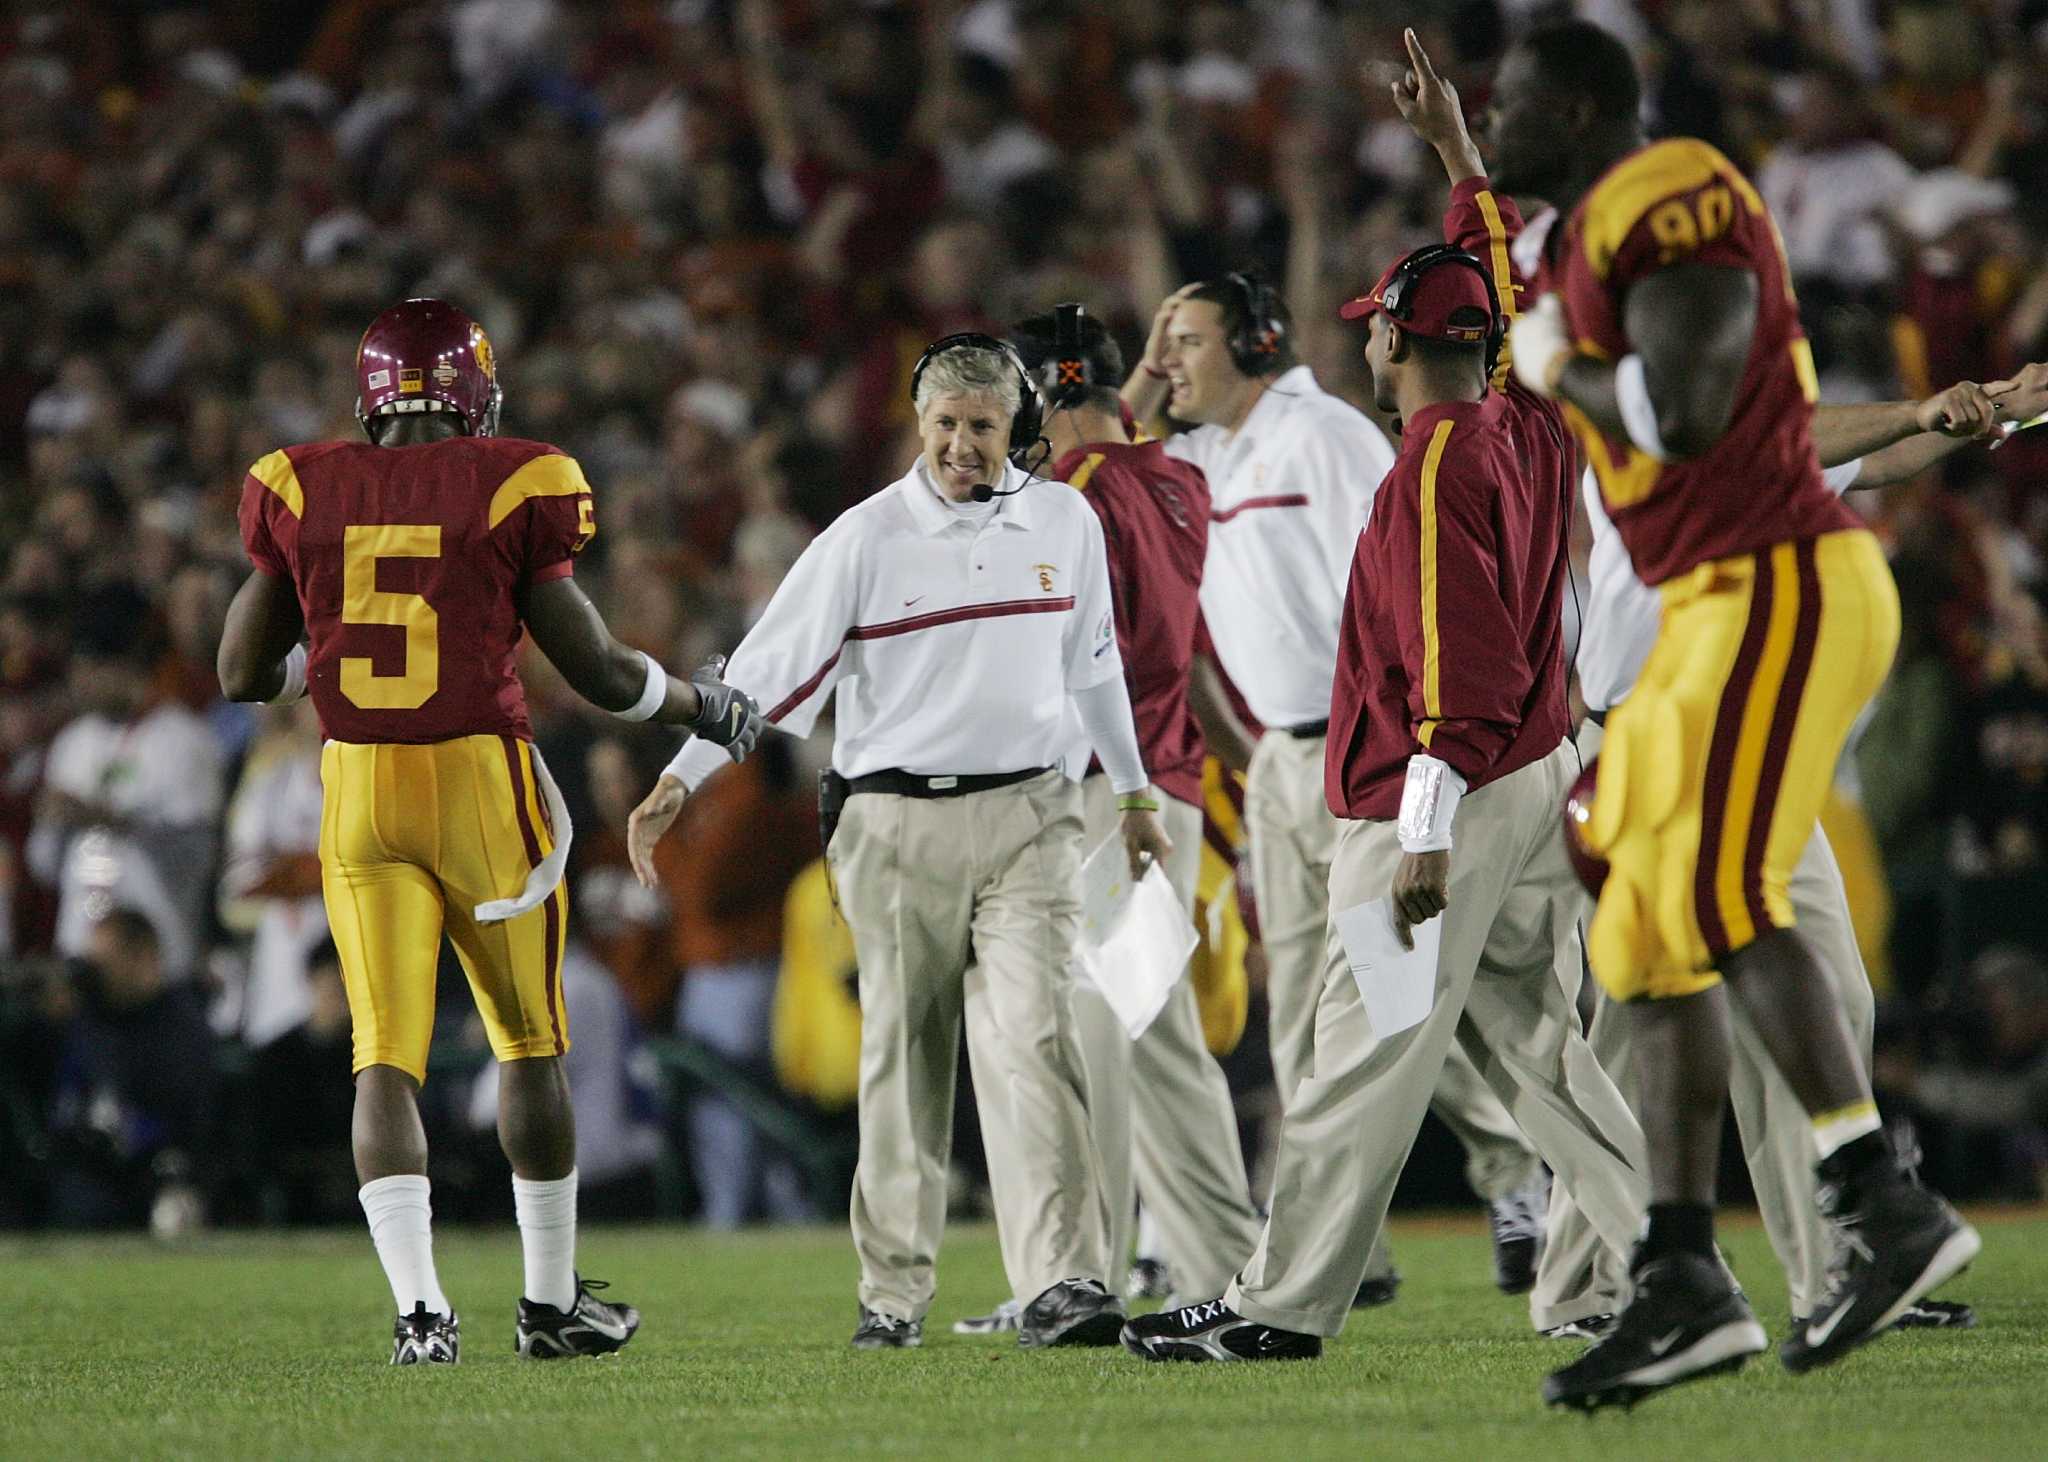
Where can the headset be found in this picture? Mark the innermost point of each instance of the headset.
(1396, 298)
(1254, 343)
(1024, 423)
(1067, 376)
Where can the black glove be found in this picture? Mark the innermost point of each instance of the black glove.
(728, 717)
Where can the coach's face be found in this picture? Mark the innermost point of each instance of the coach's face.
(965, 437)
(1199, 371)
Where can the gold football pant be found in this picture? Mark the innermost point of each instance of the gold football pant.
(1715, 768)
(412, 838)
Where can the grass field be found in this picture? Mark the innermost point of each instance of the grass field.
(275, 1347)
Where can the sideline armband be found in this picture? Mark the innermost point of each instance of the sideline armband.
(1429, 800)
(652, 694)
(1638, 412)
(294, 688)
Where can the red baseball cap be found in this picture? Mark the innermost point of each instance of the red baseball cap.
(1421, 292)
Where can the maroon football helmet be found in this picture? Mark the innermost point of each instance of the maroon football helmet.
(426, 355)
(1578, 812)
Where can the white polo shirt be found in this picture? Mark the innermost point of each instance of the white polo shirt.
(1289, 492)
(1622, 612)
(951, 644)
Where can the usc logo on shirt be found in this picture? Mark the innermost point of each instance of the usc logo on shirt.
(1045, 572)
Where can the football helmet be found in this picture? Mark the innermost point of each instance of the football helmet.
(426, 355)
(1578, 812)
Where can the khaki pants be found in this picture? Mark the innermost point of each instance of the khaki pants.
(1577, 1277)
(1506, 985)
(1292, 835)
(1159, 1107)
(930, 887)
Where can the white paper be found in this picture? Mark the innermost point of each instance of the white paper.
(1398, 985)
(1106, 885)
(1136, 948)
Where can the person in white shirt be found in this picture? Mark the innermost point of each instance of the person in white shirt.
(1579, 1283)
(131, 795)
(1292, 471)
(951, 617)
(270, 881)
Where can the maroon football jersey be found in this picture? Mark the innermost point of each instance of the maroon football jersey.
(408, 563)
(1675, 202)
(1155, 528)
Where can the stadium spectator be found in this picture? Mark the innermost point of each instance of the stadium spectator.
(131, 1109)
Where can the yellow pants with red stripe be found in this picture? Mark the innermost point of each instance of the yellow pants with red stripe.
(412, 838)
(1716, 766)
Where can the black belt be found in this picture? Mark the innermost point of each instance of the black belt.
(913, 784)
(1308, 732)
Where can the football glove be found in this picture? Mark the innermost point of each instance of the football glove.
(728, 717)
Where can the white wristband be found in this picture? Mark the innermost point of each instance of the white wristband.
(1638, 412)
(652, 694)
(294, 678)
(1429, 800)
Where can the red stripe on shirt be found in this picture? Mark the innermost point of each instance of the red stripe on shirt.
(1279, 500)
(1001, 609)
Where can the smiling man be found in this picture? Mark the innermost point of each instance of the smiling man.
(952, 616)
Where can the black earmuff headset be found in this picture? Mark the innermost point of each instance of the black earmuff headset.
(1254, 343)
(1396, 299)
(1025, 422)
(1067, 376)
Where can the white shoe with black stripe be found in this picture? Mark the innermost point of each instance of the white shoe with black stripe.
(590, 1326)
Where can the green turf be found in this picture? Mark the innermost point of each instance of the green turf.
(276, 1348)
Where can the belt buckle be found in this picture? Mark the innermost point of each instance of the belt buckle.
(941, 784)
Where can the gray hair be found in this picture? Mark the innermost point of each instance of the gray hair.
(969, 370)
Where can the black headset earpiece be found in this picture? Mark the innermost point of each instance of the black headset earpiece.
(1030, 414)
(1068, 375)
(1256, 341)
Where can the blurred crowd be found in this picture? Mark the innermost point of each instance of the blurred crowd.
(708, 238)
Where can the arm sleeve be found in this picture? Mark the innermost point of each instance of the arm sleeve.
(558, 512)
(257, 538)
(1105, 712)
(1459, 645)
(1485, 225)
(1091, 649)
(790, 659)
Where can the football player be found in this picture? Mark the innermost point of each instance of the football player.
(1674, 340)
(412, 565)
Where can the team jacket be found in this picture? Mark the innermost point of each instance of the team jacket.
(409, 563)
(1155, 531)
(1452, 641)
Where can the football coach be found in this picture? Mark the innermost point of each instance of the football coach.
(1448, 722)
(951, 617)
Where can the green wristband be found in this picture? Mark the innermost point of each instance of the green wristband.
(1136, 802)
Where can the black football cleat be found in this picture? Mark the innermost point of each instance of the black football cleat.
(1214, 1331)
(885, 1332)
(1518, 1236)
(1002, 1319)
(1686, 1321)
(1586, 1327)
(1376, 1290)
(590, 1326)
(1901, 1240)
(1077, 1312)
(424, 1338)
(1936, 1315)
(1149, 1279)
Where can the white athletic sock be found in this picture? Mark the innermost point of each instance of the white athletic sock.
(401, 1219)
(547, 1234)
(1833, 1131)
